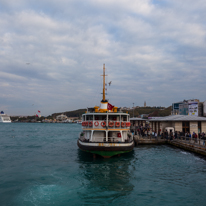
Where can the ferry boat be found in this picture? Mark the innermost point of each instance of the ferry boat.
(105, 129)
(4, 118)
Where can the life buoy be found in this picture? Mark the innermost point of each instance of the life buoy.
(111, 124)
(90, 124)
(82, 123)
(123, 124)
(86, 123)
(103, 124)
(96, 124)
(127, 124)
(117, 124)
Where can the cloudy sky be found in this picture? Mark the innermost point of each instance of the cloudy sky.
(52, 53)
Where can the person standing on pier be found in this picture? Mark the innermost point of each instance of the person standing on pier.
(195, 136)
(175, 134)
(166, 134)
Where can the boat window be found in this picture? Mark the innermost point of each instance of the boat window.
(124, 117)
(113, 117)
(100, 117)
(89, 117)
(6, 118)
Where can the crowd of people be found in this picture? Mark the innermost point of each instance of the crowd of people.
(195, 136)
(146, 131)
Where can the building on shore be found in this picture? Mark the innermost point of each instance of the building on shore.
(204, 108)
(191, 107)
(61, 117)
(144, 116)
(180, 123)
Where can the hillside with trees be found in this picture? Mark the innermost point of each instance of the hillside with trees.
(76, 113)
(152, 111)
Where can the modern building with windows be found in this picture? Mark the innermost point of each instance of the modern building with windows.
(192, 107)
(204, 108)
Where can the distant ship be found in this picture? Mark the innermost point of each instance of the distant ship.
(79, 122)
(4, 118)
(106, 130)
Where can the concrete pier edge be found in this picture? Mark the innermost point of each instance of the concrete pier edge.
(186, 145)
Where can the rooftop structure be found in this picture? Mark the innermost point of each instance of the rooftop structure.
(191, 107)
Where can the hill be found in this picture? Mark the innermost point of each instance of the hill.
(76, 113)
(152, 111)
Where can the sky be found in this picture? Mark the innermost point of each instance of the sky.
(52, 53)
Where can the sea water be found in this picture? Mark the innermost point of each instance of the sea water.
(40, 164)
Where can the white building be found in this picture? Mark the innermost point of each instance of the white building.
(61, 117)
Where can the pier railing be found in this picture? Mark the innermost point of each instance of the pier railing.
(192, 140)
(187, 140)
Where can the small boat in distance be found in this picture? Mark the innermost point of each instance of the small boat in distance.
(105, 129)
(4, 118)
(79, 122)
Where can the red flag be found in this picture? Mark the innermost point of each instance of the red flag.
(39, 111)
(37, 115)
(109, 106)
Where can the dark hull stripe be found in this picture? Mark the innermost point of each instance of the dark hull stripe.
(100, 148)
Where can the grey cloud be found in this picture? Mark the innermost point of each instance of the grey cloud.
(153, 51)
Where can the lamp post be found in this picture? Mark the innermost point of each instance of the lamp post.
(133, 109)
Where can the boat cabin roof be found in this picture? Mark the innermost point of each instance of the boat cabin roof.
(106, 113)
(92, 110)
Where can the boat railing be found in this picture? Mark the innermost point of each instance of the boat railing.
(130, 137)
(82, 136)
(99, 124)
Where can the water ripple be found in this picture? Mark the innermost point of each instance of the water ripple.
(40, 164)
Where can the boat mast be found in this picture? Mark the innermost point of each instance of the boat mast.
(103, 82)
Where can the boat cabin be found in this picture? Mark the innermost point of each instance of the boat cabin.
(105, 127)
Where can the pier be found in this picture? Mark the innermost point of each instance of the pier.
(139, 140)
(194, 145)
(197, 146)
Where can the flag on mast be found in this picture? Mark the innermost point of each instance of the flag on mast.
(109, 106)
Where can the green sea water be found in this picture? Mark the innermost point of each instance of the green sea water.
(40, 164)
